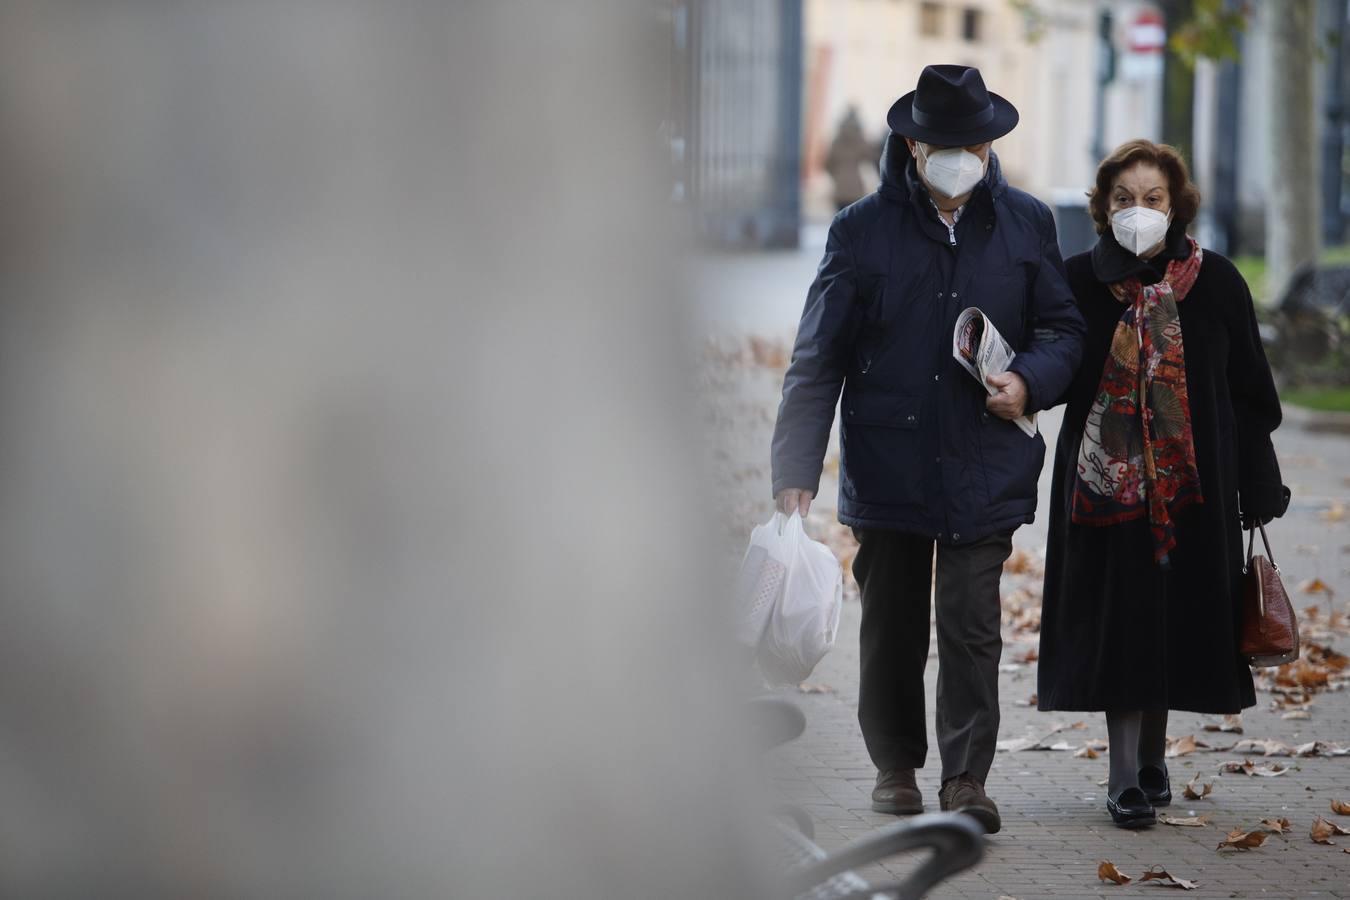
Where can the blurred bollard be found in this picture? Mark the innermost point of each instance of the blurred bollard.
(350, 529)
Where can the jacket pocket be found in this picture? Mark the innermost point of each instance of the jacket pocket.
(1011, 462)
(880, 447)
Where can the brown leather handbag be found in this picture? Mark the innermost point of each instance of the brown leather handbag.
(1269, 628)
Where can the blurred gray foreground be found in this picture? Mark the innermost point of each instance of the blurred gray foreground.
(347, 513)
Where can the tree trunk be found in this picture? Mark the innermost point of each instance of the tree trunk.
(1293, 215)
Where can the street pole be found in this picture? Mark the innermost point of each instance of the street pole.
(1333, 221)
(1226, 156)
(1106, 71)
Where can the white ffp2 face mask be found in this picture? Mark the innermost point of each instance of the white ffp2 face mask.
(1139, 228)
(952, 172)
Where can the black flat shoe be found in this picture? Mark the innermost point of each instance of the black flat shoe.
(1156, 785)
(1132, 810)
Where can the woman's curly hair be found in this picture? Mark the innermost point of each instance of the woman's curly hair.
(1185, 195)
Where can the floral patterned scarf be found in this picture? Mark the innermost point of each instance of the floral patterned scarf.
(1137, 457)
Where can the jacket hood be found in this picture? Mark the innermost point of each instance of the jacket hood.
(900, 174)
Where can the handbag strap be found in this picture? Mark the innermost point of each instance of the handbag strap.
(1251, 540)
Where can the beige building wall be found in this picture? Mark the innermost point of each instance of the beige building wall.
(866, 53)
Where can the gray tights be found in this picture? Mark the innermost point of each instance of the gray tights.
(1137, 739)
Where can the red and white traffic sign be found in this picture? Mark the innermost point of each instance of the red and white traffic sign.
(1147, 33)
(1145, 39)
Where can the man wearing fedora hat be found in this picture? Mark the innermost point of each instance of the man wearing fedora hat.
(928, 458)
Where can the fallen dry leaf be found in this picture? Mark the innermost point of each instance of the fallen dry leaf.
(1302, 674)
(1161, 876)
(1231, 723)
(1340, 807)
(1243, 840)
(1279, 826)
(1321, 748)
(1247, 767)
(1022, 563)
(1182, 746)
(1026, 621)
(1107, 871)
(1297, 701)
(1196, 790)
(1315, 586)
(1308, 676)
(1264, 747)
(1334, 513)
(1184, 821)
(1322, 831)
(807, 688)
(1044, 744)
(1014, 745)
(767, 353)
(1320, 655)
(1086, 753)
(1030, 656)
(1299, 714)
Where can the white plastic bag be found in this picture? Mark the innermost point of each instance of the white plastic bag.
(760, 582)
(791, 593)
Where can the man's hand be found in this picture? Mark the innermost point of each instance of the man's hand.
(1011, 399)
(793, 499)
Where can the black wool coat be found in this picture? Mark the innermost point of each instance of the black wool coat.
(918, 452)
(1119, 632)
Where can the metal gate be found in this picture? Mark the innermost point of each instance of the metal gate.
(737, 127)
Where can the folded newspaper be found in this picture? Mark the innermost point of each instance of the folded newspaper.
(982, 352)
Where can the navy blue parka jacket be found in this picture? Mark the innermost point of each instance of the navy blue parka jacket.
(918, 451)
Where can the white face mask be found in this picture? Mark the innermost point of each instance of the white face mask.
(952, 172)
(1140, 229)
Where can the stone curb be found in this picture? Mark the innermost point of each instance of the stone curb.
(1315, 420)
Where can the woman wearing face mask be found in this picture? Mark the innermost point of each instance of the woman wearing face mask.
(1164, 455)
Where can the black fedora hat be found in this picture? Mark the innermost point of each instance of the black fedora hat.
(951, 108)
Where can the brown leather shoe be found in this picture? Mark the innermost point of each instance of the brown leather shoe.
(965, 794)
(896, 793)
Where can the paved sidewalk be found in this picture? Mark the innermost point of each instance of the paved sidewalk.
(1056, 829)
